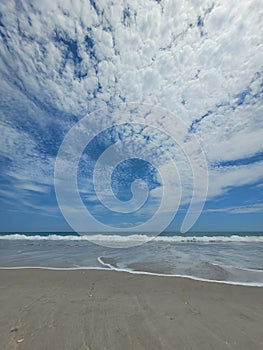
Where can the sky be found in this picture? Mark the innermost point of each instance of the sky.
(151, 107)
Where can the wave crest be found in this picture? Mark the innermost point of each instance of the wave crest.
(135, 238)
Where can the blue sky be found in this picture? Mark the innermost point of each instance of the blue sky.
(199, 61)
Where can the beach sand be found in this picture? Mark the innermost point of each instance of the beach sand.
(97, 310)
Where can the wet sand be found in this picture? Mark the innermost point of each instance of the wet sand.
(108, 310)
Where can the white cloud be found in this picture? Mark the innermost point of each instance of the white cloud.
(64, 57)
(33, 187)
(233, 176)
(246, 209)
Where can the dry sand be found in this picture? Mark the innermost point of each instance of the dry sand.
(97, 310)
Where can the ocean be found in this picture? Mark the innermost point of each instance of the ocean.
(234, 258)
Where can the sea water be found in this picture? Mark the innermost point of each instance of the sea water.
(235, 258)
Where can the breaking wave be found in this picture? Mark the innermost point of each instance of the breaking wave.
(134, 238)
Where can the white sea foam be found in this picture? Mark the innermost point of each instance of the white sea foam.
(106, 264)
(135, 238)
(238, 268)
(248, 284)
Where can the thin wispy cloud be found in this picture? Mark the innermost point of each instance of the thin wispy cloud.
(246, 209)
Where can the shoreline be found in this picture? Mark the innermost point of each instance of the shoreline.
(98, 309)
(132, 272)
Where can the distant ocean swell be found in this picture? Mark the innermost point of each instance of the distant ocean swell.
(135, 238)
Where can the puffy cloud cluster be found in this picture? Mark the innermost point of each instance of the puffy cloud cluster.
(201, 60)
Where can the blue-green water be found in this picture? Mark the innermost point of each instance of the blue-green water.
(226, 257)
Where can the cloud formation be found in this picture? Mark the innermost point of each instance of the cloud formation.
(201, 60)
